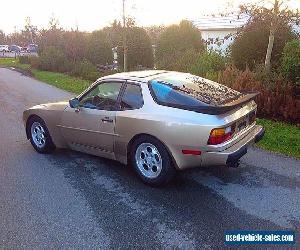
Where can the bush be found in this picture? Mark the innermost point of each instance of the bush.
(176, 40)
(208, 64)
(53, 59)
(290, 63)
(179, 61)
(24, 59)
(276, 100)
(35, 62)
(86, 70)
(139, 49)
(99, 48)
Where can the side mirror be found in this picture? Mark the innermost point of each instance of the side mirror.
(74, 103)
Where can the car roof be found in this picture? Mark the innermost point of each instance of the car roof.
(141, 76)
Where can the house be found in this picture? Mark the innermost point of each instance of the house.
(218, 31)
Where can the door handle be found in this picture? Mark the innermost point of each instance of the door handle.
(107, 119)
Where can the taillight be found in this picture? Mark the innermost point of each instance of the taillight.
(220, 135)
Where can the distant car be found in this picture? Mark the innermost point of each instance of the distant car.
(158, 121)
(4, 48)
(14, 48)
(32, 48)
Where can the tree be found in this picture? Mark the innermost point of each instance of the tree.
(139, 49)
(154, 32)
(99, 49)
(210, 62)
(277, 15)
(3, 39)
(290, 64)
(176, 40)
(30, 31)
(52, 36)
(250, 45)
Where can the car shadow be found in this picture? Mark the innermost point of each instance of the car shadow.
(114, 192)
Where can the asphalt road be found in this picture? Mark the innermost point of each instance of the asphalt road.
(73, 200)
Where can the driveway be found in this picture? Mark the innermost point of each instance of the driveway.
(73, 200)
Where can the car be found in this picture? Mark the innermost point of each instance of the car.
(32, 48)
(157, 121)
(14, 48)
(4, 48)
(24, 49)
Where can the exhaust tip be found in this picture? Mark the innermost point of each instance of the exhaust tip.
(233, 164)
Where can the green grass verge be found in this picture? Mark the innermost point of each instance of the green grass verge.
(69, 83)
(279, 137)
(62, 81)
(12, 62)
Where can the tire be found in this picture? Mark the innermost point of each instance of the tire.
(151, 161)
(39, 135)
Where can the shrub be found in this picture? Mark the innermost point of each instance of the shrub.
(139, 49)
(290, 63)
(99, 48)
(53, 59)
(24, 59)
(208, 64)
(178, 39)
(179, 61)
(86, 70)
(276, 99)
(35, 62)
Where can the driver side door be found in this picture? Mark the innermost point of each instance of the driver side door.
(90, 127)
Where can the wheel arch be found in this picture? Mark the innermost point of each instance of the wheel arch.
(130, 143)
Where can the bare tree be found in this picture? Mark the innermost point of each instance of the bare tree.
(273, 26)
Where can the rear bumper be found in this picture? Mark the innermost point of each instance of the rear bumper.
(235, 152)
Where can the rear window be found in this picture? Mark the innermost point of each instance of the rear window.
(187, 89)
(167, 94)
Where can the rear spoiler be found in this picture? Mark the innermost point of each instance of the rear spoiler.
(221, 109)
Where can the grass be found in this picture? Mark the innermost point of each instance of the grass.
(279, 137)
(12, 62)
(62, 81)
(69, 83)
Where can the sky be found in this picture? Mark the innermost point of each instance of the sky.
(89, 15)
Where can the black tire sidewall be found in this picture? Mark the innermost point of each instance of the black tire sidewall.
(49, 145)
(167, 172)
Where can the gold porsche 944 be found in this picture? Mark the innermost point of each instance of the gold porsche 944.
(156, 121)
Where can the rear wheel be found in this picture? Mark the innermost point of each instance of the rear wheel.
(39, 135)
(152, 161)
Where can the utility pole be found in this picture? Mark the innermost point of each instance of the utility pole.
(124, 39)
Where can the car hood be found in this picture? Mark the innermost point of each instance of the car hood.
(52, 106)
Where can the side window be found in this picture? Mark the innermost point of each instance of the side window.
(104, 96)
(132, 98)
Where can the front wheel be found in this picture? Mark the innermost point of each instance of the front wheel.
(39, 135)
(152, 161)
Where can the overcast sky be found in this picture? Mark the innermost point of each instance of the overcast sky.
(94, 14)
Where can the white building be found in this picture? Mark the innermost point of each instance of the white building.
(219, 31)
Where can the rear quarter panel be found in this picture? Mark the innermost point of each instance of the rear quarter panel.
(177, 129)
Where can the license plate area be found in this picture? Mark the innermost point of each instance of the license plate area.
(242, 124)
